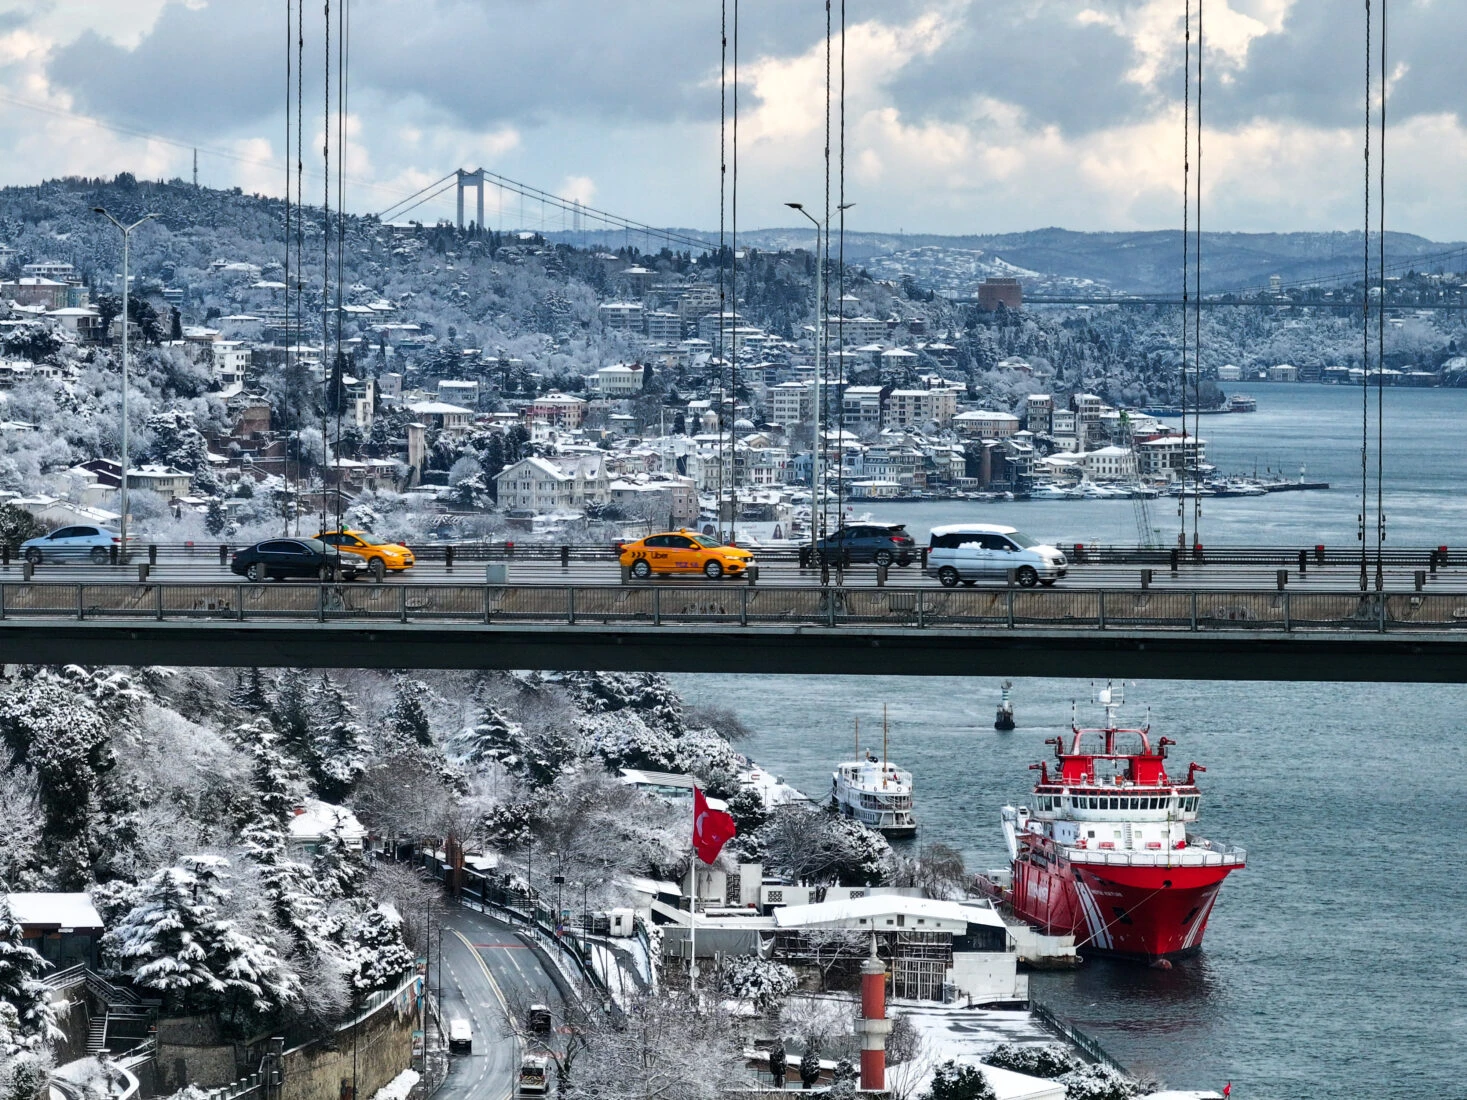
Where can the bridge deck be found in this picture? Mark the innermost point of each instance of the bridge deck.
(1198, 634)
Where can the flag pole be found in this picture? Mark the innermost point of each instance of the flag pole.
(693, 916)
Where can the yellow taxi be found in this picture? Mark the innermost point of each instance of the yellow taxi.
(381, 557)
(684, 552)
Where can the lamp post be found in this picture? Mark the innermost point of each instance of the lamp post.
(817, 467)
(126, 231)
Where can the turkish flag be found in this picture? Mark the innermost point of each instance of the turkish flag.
(1228, 1089)
(712, 829)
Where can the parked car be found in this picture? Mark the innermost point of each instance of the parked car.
(971, 552)
(683, 552)
(277, 559)
(882, 543)
(378, 557)
(81, 542)
(460, 1037)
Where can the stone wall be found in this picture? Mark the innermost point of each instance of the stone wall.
(190, 1052)
(383, 1044)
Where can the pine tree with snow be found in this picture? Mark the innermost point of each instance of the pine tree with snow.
(492, 738)
(286, 885)
(32, 1021)
(409, 717)
(337, 869)
(338, 743)
(291, 713)
(174, 942)
(809, 1067)
(215, 519)
(379, 958)
(956, 1081)
(251, 692)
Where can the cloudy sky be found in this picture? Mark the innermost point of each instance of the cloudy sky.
(962, 116)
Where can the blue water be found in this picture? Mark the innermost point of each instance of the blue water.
(1335, 964)
(1309, 426)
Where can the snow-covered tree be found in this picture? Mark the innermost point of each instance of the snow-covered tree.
(251, 691)
(338, 743)
(173, 941)
(25, 1075)
(1034, 1059)
(1097, 1082)
(34, 1021)
(379, 958)
(291, 713)
(62, 738)
(762, 982)
(956, 1081)
(409, 720)
(492, 738)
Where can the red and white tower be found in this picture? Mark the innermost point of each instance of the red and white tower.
(873, 1025)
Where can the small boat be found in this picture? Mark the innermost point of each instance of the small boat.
(1242, 403)
(1004, 719)
(874, 792)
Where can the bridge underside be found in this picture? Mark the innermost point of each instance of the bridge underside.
(1210, 655)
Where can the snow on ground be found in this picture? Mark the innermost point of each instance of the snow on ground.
(960, 1033)
(398, 1087)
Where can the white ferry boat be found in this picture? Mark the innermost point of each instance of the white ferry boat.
(874, 792)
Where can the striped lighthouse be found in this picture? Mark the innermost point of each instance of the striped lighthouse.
(873, 1025)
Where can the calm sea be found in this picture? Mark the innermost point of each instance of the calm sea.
(1336, 963)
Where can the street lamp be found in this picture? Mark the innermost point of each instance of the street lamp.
(817, 464)
(126, 231)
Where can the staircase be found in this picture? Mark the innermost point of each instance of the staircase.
(97, 1036)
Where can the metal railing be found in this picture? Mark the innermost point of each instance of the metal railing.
(1302, 557)
(1068, 1030)
(657, 605)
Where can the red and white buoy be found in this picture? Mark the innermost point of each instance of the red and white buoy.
(873, 1025)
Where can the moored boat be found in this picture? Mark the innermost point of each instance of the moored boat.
(874, 792)
(1105, 853)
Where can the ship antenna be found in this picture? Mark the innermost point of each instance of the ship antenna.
(858, 739)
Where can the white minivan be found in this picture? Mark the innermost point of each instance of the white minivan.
(971, 552)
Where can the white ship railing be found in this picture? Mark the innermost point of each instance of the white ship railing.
(1218, 856)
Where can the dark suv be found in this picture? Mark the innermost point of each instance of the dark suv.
(882, 543)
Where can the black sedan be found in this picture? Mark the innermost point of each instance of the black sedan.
(277, 559)
(882, 543)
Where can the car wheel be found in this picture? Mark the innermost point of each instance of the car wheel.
(641, 569)
(883, 557)
(377, 569)
(33, 556)
(1049, 583)
(327, 574)
(1027, 577)
(256, 572)
(713, 570)
(904, 562)
(947, 576)
(99, 555)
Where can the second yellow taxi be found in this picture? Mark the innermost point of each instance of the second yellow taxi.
(381, 557)
(673, 552)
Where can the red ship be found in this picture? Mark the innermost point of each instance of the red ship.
(1105, 853)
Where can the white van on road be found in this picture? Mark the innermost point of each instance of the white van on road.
(459, 1036)
(971, 552)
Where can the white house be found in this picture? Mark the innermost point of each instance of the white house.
(231, 359)
(536, 485)
(1109, 463)
(451, 418)
(617, 380)
(985, 424)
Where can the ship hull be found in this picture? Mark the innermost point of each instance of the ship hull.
(1141, 912)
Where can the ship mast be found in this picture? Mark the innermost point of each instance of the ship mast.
(858, 739)
(883, 746)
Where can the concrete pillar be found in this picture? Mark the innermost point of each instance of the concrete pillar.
(873, 1025)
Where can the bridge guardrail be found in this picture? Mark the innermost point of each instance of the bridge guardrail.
(215, 554)
(731, 605)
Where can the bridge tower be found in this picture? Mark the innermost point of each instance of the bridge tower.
(474, 179)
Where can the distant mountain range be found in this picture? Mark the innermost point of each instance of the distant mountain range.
(1127, 263)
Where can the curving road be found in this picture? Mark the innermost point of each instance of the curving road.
(488, 969)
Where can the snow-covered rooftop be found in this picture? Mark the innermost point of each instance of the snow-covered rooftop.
(879, 907)
(317, 819)
(54, 911)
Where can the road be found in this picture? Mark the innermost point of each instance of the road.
(1341, 577)
(488, 970)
